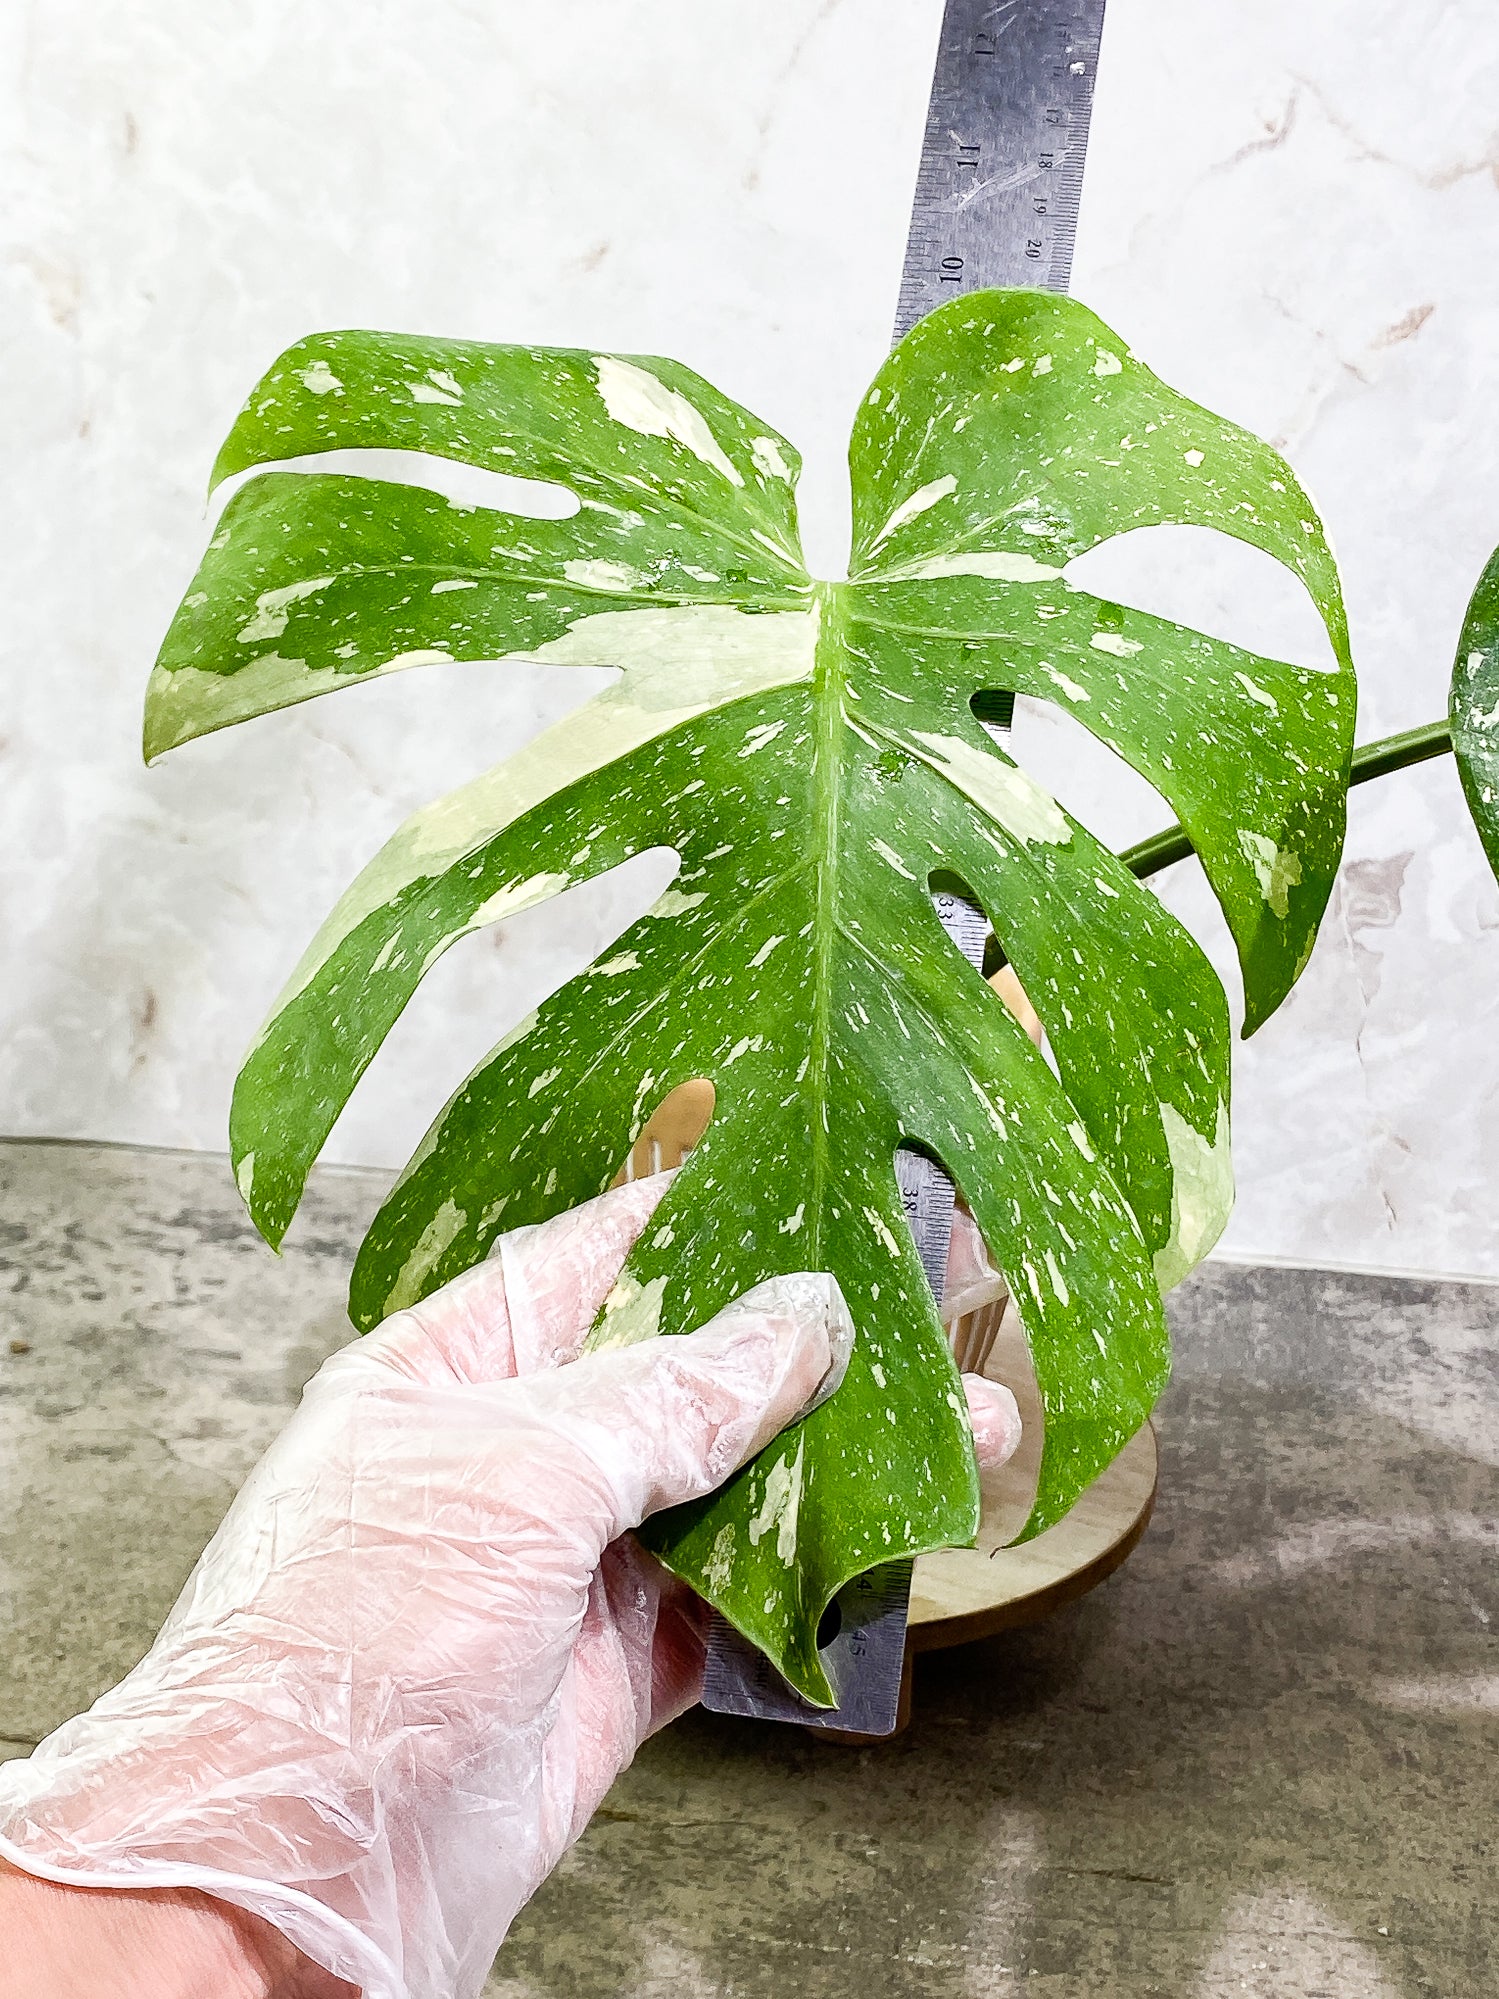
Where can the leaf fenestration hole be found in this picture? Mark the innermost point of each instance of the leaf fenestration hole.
(985, 1334)
(673, 1128)
(974, 1292)
(943, 883)
(995, 966)
(463, 485)
(1207, 581)
(994, 707)
(489, 978)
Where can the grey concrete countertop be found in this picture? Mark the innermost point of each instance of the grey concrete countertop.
(1258, 1761)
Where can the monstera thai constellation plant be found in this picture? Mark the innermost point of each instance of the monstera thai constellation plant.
(810, 752)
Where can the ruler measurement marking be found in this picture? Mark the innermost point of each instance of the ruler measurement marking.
(998, 189)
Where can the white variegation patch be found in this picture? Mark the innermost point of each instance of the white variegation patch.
(676, 902)
(919, 502)
(781, 1504)
(1069, 687)
(892, 859)
(632, 1312)
(1202, 1193)
(439, 387)
(1276, 869)
(1257, 693)
(1000, 565)
(604, 575)
(1010, 798)
(518, 895)
(272, 609)
(644, 404)
(718, 1570)
(767, 456)
(319, 379)
(425, 1256)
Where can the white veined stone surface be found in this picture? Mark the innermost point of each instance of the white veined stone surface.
(1293, 216)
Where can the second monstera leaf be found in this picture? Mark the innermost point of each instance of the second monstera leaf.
(810, 752)
(1474, 708)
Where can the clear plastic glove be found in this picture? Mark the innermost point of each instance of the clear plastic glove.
(422, 1645)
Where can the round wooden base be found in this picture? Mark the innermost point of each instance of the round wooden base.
(960, 1594)
(967, 1593)
(964, 1593)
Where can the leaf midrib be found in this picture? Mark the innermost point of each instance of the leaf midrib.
(829, 735)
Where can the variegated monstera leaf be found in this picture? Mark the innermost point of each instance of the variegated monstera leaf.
(1474, 709)
(809, 751)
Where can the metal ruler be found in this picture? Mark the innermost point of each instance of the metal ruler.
(997, 197)
(1001, 174)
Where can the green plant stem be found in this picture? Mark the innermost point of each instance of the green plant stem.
(1416, 746)
(1433, 739)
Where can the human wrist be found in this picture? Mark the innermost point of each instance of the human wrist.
(155, 1943)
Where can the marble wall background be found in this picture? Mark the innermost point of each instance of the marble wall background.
(1292, 211)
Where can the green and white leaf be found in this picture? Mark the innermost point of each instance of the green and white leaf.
(810, 752)
(1474, 709)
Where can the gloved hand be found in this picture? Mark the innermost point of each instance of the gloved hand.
(422, 1646)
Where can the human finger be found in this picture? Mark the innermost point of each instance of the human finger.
(667, 1420)
(994, 1416)
(637, 1664)
(639, 1658)
(971, 1280)
(530, 1304)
